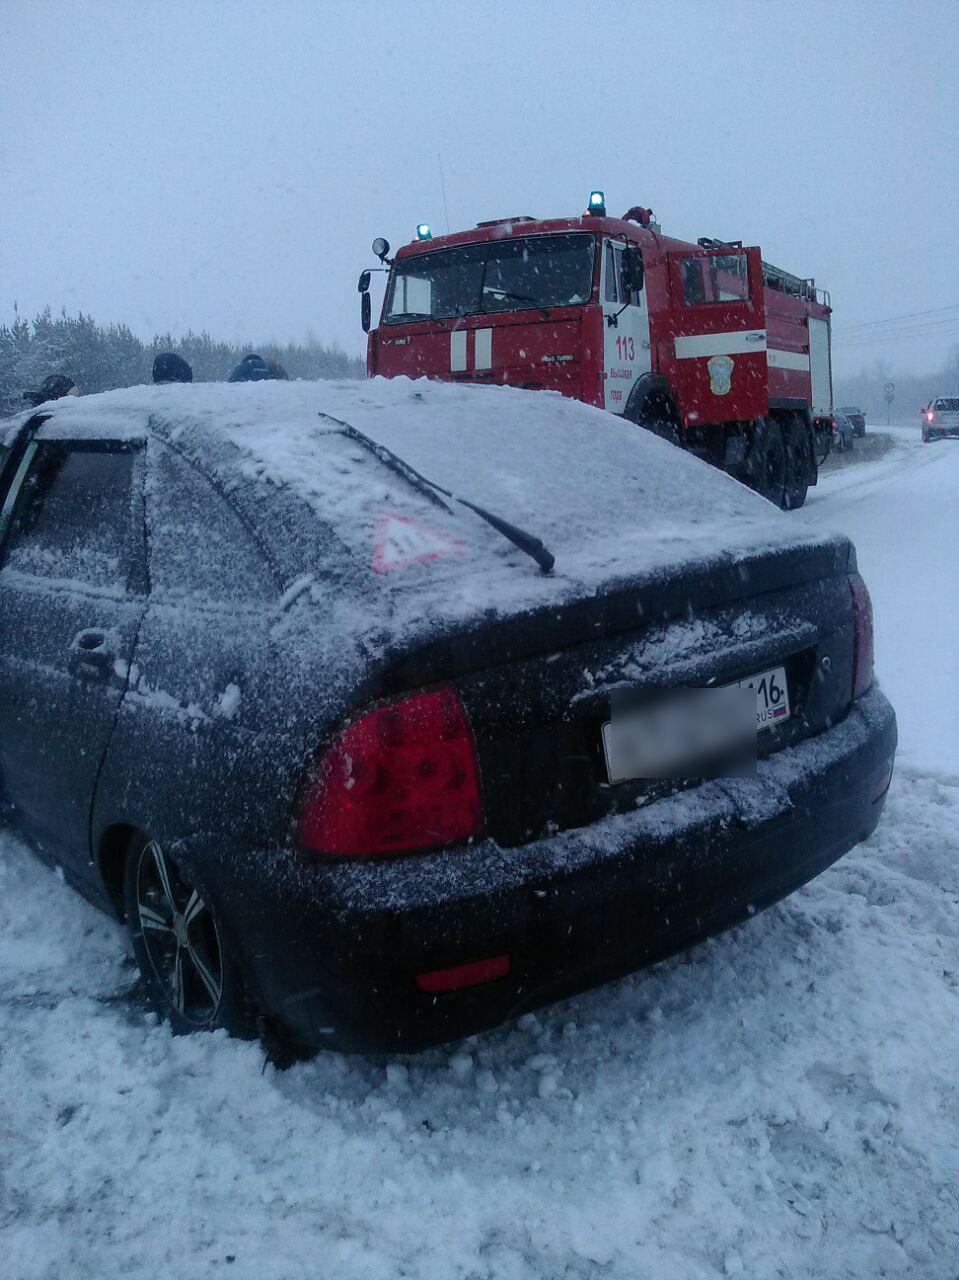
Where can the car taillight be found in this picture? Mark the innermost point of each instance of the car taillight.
(862, 646)
(405, 776)
(929, 415)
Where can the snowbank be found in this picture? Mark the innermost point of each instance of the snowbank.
(779, 1102)
(902, 513)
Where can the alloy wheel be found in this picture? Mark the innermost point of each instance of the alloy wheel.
(180, 938)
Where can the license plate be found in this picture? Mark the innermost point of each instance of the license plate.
(675, 737)
(772, 697)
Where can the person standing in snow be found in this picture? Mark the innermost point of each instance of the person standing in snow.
(169, 367)
(253, 368)
(54, 387)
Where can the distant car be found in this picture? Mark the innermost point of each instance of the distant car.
(357, 762)
(940, 418)
(843, 432)
(857, 417)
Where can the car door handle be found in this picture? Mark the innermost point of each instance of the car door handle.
(92, 655)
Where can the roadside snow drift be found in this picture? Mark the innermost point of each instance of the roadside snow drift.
(778, 1103)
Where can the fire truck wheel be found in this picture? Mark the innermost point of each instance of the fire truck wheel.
(665, 431)
(798, 463)
(658, 416)
(765, 469)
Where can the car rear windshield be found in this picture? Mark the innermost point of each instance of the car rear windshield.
(948, 405)
(498, 275)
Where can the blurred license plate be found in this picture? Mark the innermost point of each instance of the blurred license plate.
(696, 732)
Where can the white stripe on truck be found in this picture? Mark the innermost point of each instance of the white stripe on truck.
(738, 342)
(484, 348)
(458, 351)
(787, 360)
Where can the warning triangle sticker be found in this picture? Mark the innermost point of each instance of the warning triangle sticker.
(401, 541)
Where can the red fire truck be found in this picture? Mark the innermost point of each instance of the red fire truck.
(703, 343)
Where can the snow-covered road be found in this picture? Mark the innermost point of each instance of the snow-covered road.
(902, 512)
(781, 1102)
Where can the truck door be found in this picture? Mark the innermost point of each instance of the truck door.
(626, 352)
(718, 315)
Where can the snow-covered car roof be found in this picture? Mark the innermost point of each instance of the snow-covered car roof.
(609, 500)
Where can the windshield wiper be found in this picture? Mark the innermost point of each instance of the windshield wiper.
(401, 317)
(429, 488)
(515, 297)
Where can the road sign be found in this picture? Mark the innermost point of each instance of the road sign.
(889, 391)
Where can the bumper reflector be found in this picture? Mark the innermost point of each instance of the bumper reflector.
(464, 975)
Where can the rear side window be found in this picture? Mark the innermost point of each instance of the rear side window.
(715, 277)
(199, 546)
(74, 518)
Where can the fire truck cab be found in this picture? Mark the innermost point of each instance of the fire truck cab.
(704, 344)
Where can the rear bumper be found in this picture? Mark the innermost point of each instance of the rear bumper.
(333, 950)
(941, 433)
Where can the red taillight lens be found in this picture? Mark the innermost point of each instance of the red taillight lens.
(929, 415)
(464, 975)
(862, 650)
(403, 777)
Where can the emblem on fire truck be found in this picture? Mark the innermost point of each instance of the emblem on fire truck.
(720, 374)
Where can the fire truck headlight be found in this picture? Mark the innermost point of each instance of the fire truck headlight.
(423, 231)
(597, 203)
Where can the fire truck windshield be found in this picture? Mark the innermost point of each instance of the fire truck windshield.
(497, 275)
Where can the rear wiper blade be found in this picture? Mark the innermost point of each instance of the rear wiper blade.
(429, 488)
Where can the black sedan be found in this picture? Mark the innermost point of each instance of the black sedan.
(856, 416)
(383, 712)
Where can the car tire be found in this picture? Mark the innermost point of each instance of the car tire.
(799, 463)
(191, 979)
(765, 466)
(926, 437)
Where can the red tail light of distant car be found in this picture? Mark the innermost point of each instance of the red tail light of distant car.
(404, 777)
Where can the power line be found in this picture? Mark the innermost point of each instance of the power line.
(905, 326)
(895, 335)
(908, 315)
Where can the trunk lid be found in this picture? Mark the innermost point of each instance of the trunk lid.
(539, 688)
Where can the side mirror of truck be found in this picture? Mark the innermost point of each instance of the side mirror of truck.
(633, 274)
(364, 284)
(366, 312)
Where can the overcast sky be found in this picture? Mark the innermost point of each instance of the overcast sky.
(224, 166)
